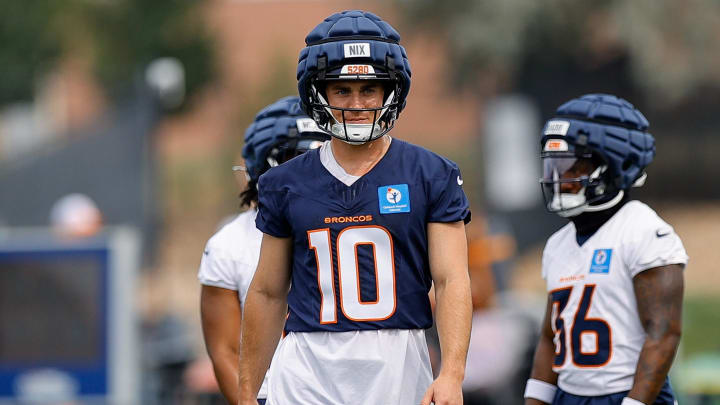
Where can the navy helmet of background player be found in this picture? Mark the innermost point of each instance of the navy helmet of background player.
(353, 45)
(605, 131)
(606, 270)
(280, 132)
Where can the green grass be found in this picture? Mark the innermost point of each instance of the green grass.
(701, 325)
(696, 371)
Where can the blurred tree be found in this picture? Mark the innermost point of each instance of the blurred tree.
(120, 37)
(671, 46)
(29, 43)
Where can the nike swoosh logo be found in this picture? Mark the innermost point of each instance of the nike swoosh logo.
(460, 181)
(660, 235)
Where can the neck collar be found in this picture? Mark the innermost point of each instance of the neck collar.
(587, 223)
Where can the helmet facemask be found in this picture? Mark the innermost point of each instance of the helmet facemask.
(573, 184)
(292, 148)
(382, 119)
(606, 129)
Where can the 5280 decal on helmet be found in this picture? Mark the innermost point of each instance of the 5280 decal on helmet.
(353, 45)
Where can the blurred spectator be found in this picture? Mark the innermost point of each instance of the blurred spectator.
(75, 215)
(199, 380)
(498, 356)
(47, 387)
(168, 351)
(502, 337)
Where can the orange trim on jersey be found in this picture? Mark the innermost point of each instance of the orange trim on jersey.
(283, 334)
(556, 309)
(332, 275)
(357, 270)
(597, 343)
(597, 337)
(392, 261)
(556, 332)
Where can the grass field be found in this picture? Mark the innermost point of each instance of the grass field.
(701, 325)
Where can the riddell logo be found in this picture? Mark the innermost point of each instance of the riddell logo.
(342, 220)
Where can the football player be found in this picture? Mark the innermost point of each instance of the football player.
(280, 132)
(354, 234)
(614, 273)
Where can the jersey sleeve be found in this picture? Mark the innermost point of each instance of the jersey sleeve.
(543, 262)
(655, 245)
(448, 202)
(272, 207)
(220, 270)
(216, 269)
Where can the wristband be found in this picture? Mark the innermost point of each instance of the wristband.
(540, 390)
(630, 401)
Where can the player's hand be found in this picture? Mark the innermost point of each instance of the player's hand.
(252, 401)
(445, 390)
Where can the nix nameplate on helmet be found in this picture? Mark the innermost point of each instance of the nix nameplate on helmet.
(353, 46)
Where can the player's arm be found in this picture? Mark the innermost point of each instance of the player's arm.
(659, 293)
(220, 312)
(264, 316)
(447, 251)
(543, 379)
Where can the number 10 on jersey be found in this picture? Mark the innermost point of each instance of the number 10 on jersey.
(348, 269)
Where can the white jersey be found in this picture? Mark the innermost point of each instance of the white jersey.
(598, 334)
(385, 366)
(230, 260)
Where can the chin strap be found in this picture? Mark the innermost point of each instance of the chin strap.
(606, 205)
(339, 129)
(582, 205)
(613, 202)
(580, 208)
(372, 132)
(640, 181)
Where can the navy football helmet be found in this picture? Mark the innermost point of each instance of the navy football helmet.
(353, 45)
(594, 149)
(280, 132)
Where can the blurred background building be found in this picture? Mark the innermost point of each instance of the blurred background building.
(140, 107)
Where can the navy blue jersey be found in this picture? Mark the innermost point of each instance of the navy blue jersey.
(360, 252)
